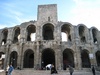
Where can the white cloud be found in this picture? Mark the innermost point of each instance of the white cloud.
(86, 12)
(16, 14)
(3, 26)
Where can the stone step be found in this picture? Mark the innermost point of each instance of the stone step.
(41, 72)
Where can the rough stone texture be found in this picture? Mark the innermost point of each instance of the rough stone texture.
(80, 39)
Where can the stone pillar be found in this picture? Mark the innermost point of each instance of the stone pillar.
(7, 55)
(18, 61)
(95, 61)
(23, 35)
(37, 62)
(35, 59)
(9, 38)
(21, 56)
(77, 58)
(38, 33)
(22, 43)
(58, 59)
(40, 60)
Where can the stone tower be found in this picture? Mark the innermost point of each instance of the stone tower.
(47, 13)
(35, 44)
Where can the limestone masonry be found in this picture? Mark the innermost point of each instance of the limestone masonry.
(35, 44)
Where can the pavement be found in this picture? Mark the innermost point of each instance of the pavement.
(44, 72)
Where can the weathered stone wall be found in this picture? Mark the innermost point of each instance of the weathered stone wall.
(80, 38)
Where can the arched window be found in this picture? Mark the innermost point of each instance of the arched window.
(85, 59)
(16, 36)
(31, 30)
(4, 36)
(28, 59)
(48, 57)
(48, 30)
(65, 32)
(82, 34)
(98, 57)
(94, 33)
(68, 58)
(13, 59)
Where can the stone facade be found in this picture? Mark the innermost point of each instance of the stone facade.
(22, 50)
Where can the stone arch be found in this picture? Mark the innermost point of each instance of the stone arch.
(31, 30)
(82, 34)
(28, 59)
(48, 57)
(13, 59)
(94, 34)
(68, 58)
(85, 59)
(16, 35)
(4, 36)
(97, 54)
(48, 32)
(66, 29)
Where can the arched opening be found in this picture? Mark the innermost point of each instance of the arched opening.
(16, 35)
(31, 30)
(13, 59)
(4, 36)
(28, 59)
(65, 29)
(48, 57)
(68, 58)
(48, 30)
(98, 58)
(94, 33)
(82, 34)
(85, 59)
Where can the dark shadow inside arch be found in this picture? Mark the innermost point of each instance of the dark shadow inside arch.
(68, 59)
(48, 32)
(82, 34)
(85, 59)
(48, 57)
(16, 34)
(66, 30)
(4, 36)
(94, 33)
(30, 30)
(13, 59)
(28, 59)
(2, 60)
(98, 58)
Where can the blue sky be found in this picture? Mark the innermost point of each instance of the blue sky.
(15, 12)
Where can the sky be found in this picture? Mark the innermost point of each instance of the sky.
(15, 12)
